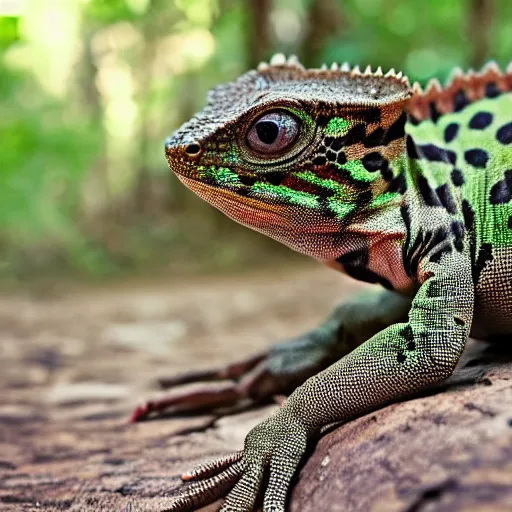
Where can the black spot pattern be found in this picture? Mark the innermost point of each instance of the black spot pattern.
(396, 130)
(450, 132)
(407, 334)
(331, 152)
(376, 138)
(247, 180)
(398, 184)
(323, 120)
(354, 135)
(501, 192)
(413, 120)
(492, 91)
(469, 215)
(484, 256)
(367, 115)
(426, 241)
(437, 255)
(381, 137)
(460, 101)
(457, 177)
(355, 264)
(436, 154)
(504, 134)
(429, 196)
(363, 197)
(434, 112)
(336, 144)
(412, 151)
(275, 178)
(445, 196)
(509, 222)
(374, 161)
(476, 157)
(341, 158)
(480, 121)
(325, 207)
(457, 229)
(331, 156)
(434, 289)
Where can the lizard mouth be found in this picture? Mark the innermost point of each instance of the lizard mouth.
(250, 211)
(300, 229)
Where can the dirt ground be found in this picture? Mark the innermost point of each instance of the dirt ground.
(75, 361)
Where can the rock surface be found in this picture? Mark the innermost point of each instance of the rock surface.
(71, 370)
(448, 452)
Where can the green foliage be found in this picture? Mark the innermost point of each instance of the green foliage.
(9, 30)
(85, 106)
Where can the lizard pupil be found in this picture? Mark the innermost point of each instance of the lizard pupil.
(272, 133)
(267, 131)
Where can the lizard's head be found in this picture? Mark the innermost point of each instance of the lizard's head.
(296, 154)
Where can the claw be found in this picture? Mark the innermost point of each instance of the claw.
(254, 382)
(257, 378)
(202, 396)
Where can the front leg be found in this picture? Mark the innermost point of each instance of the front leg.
(402, 359)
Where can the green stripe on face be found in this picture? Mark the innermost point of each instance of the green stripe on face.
(285, 194)
(311, 177)
(226, 176)
(339, 190)
(337, 127)
(223, 176)
(383, 199)
(357, 171)
(339, 208)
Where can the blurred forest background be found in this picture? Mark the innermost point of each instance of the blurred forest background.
(89, 89)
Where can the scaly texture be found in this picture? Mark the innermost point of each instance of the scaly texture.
(393, 185)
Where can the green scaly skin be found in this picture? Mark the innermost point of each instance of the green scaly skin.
(393, 185)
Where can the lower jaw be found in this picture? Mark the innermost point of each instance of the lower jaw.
(302, 230)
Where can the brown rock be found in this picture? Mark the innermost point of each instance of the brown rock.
(451, 451)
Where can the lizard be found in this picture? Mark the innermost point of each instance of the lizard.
(400, 186)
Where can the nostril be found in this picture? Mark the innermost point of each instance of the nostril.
(193, 149)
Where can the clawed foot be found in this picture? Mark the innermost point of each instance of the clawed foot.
(274, 447)
(212, 389)
(258, 379)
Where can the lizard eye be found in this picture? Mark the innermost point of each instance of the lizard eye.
(273, 133)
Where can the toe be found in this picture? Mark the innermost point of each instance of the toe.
(243, 495)
(204, 492)
(213, 467)
(282, 468)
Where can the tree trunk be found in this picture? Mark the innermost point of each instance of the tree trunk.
(325, 19)
(480, 19)
(259, 34)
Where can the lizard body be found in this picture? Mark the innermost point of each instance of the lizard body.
(390, 184)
